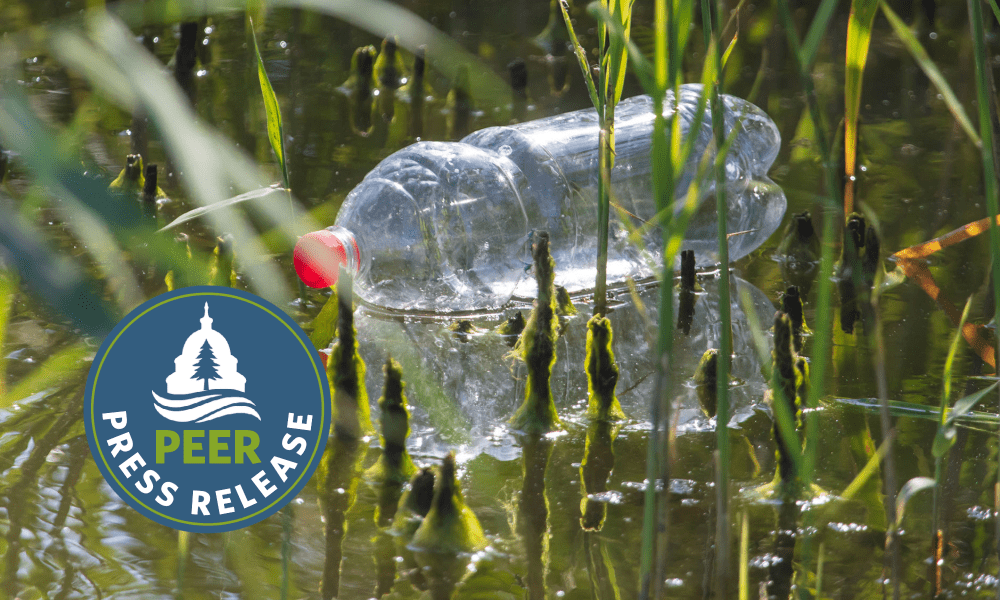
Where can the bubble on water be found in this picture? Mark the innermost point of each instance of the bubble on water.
(505, 150)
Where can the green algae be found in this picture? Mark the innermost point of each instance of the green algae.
(595, 470)
(414, 505)
(394, 464)
(338, 476)
(706, 381)
(510, 330)
(463, 329)
(221, 270)
(450, 526)
(389, 68)
(602, 372)
(132, 179)
(538, 348)
(799, 251)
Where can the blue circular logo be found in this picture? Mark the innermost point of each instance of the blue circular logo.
(207, 409)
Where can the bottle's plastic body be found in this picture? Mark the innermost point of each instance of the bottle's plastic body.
(446, 226)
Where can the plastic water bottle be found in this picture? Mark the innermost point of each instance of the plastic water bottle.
(447, 226)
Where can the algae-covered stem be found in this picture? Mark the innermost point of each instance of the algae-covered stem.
(538, 348)
(346, 371)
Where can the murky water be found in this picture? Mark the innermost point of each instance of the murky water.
(66, 535)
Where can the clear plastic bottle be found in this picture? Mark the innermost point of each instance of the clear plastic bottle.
(446, 226)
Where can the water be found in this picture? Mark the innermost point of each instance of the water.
(447, 226)
(65, 535)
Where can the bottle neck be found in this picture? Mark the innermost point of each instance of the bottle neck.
(352, 251)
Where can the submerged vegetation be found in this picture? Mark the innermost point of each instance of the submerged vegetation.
(813, 431)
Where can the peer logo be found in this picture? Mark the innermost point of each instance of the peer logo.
(207, 409)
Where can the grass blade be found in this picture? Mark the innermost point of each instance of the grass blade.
(866, 473)
(859, 34)
(931, 70)
(275, 130)
(910, 488)
(817, 31)
(201, 211)
(964, 406)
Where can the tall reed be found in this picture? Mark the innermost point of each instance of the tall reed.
(821, 351)
(985, 95)
(712, 43)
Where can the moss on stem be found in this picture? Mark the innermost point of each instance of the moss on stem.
(222, 271)
(394, 465)
(346, 371)
(602, 372)
(450, 526)
(538, 348)
(706, 381)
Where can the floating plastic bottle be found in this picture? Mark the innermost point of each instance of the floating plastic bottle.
(447, 226)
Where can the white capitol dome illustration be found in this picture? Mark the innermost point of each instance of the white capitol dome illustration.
(184, 378)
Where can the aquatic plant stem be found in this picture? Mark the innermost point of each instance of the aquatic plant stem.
(983, 97)
(725, 317)
(832, 214)
(603, 207)
(656, 521)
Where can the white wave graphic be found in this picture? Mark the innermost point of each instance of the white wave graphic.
(177, 404)
(203, 408)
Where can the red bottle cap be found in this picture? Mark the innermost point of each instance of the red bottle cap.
(318, 256)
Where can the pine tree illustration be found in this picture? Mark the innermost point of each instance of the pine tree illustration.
(207, 368)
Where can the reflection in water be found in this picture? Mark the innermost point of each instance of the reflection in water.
(412, 508)
(781, 569)
(186, 58)
(595, 469)
(533, 513)
(338, 475)
(21, 512)
(358, 89)
(464, 393)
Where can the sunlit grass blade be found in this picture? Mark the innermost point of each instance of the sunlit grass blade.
(910, 488)
(817, 31)
(930, 69)
(866, 472)
(642, 68)
(275, 128)
(949, 363)
(975, 421)
(859, 34)
(729, 49)
(744, 557)
(614, 77)
(195, 213)
(8, 291)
